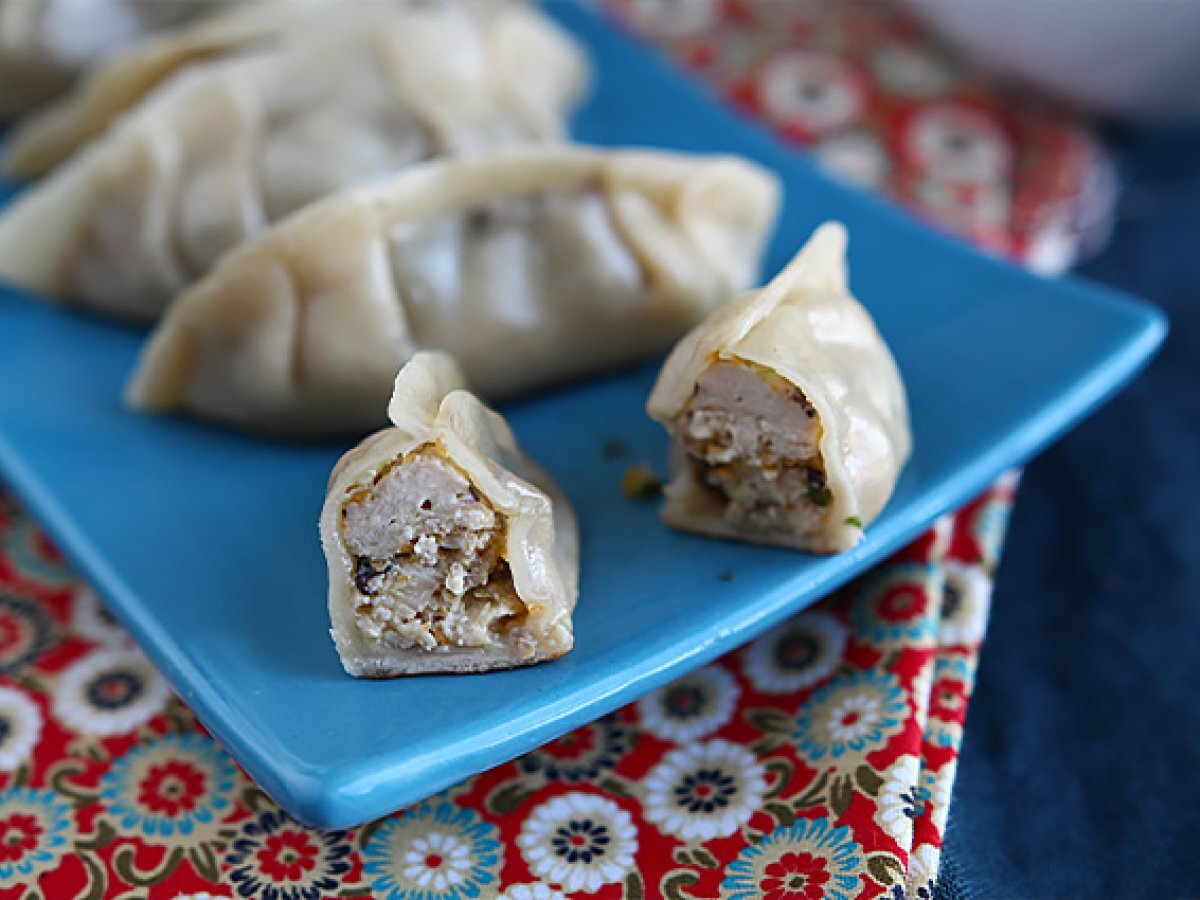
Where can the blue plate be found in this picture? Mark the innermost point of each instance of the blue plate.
(205, 543)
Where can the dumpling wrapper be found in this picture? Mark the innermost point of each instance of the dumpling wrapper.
(532, 266)
(44, 44)
(228, 146)
(44, 139)
(788, 416)
(448, 549)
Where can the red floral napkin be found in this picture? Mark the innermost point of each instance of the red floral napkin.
(815, 762)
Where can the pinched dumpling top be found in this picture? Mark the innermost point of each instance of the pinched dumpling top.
(448, 550)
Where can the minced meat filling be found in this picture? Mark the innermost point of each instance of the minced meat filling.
(755, 439)
(427, 565)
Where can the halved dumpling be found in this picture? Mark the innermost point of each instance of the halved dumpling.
(788, 418)
(448, 550)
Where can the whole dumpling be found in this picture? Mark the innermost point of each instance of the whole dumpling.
(226, 147)
(787, 413)
(531, 266)
(46, 137)
(45, 43)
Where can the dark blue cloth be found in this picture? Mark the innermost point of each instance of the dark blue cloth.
(1080, 768)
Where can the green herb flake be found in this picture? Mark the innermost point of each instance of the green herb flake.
(854, 522)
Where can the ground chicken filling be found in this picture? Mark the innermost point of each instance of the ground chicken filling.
(426, 551)
(754, 439)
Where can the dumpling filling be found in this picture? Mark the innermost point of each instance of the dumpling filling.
(428, 566)
(753, 439)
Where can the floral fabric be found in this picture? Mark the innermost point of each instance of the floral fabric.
(881, 105)
(817, 761)
(814, 762)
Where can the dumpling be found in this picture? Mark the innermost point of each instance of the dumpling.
(47, 137)
(448, 549)
(45, 43)
(226, 147)
(530, 266)
(787, 414)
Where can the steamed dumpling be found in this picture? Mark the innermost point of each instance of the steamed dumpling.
(226, 147)
(45, 43)
(531, 266)
(788, 417)
(448, 549)
(47, 136)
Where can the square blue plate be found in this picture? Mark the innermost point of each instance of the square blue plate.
(205, 542)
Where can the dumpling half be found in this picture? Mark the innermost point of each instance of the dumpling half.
(448, 549)
(531, 266)
(226, 147)
(787, 414)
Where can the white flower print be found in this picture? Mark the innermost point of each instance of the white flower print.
(434, 851)
(957, 143)
(579, 841)
(797, 654)
(201, 896)
(690, 707)
(856, 157)
(536, 891)
(922, 872)
(91, 619)
(968, 595)
(20, 727)
(853, 718)
(704, 791)
(455, 856)
(897, 804)
(815, 91)
(109, 692)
